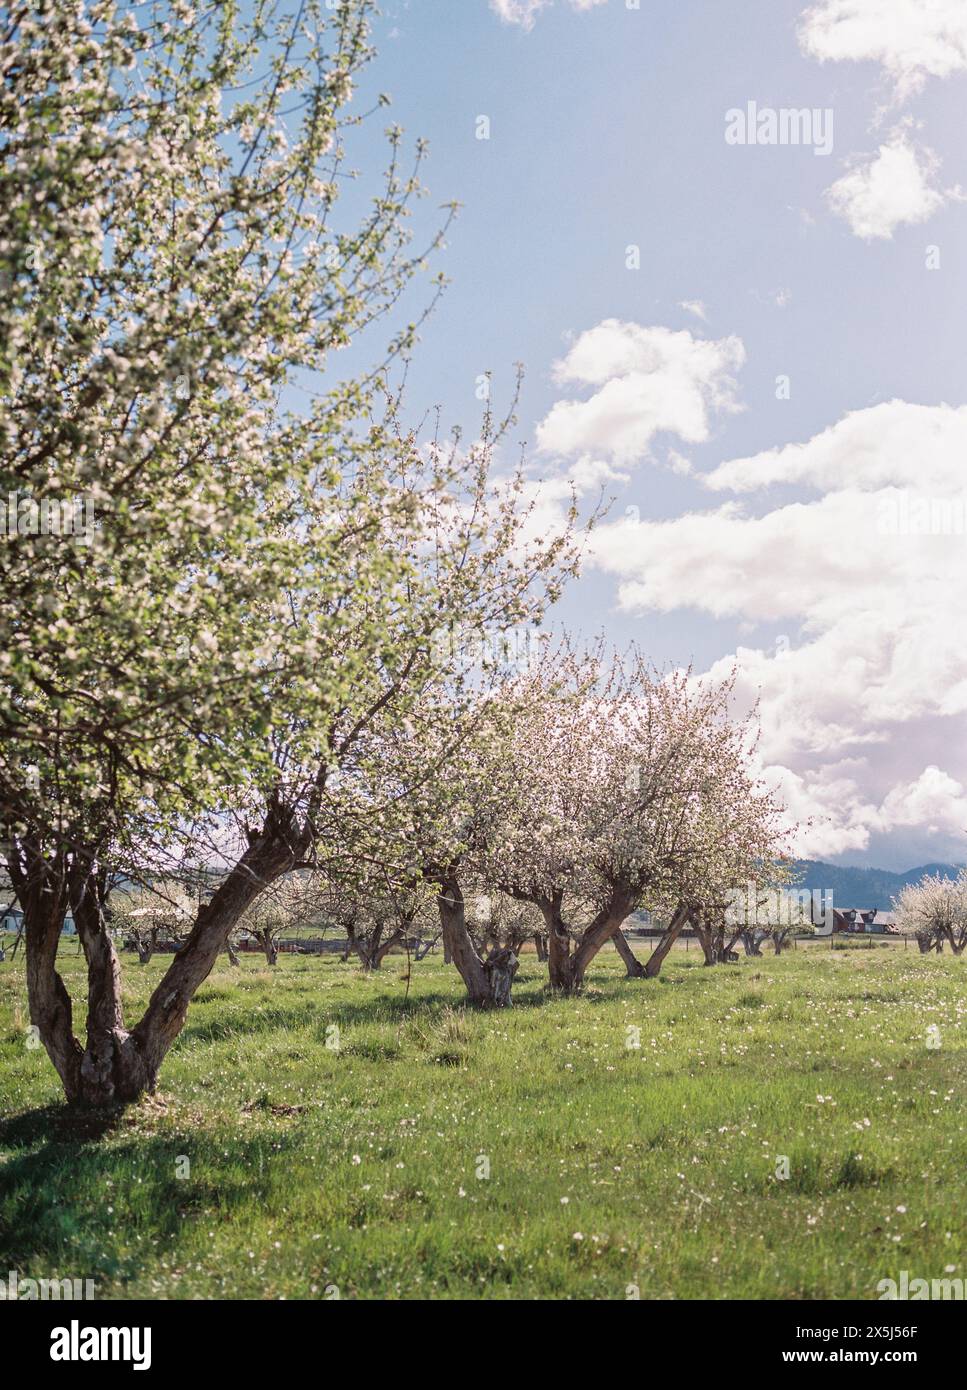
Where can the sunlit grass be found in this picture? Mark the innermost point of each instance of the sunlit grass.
(336, 1135)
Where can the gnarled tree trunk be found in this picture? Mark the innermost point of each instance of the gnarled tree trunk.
(706, 940)
(116, 1066)
(145, 944)
(501, 967)
(42, 889)
(560, 961)
(635, 969)
(667, 940)
(372, 952)
(957, 940)
(111, 1062)
(716, 949)
(488, 982)
(266, 860)
(567, 968)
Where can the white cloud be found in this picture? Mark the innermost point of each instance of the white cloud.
(522, 12)
(911, 39)
(695, 307)
(649, 380)
(525, 12)
(857, 669)
(935, 800)
(895, 443)
(894, 188)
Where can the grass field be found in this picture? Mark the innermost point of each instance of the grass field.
(337, 1132)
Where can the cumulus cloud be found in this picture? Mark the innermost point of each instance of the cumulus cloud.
(525, 12)
(648, 381)
(894, 443)
(912, 40)
(857, 673)
(895, 187)
(935, 801)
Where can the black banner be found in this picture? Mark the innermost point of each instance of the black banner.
(190, 1338)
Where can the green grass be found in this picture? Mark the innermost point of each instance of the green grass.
(609, 1165)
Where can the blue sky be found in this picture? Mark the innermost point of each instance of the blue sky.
(607, 131)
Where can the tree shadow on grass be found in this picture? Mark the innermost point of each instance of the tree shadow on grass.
(382, 1009)
(76, 1206)
(59, 1124)
(390, 1008)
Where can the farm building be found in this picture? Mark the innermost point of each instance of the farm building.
(11, 918)
(864, 921)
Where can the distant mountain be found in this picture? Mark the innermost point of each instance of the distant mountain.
(864, 887)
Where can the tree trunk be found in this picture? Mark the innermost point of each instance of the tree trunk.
(367, 948)
(42, 890)
(560, 961)
(486, 988)
(541, 946)
(666, 941)
(262, 863)
(633, 965)
(111, 1065)
(117, 1066)
(729, 953)
(372, 950)
(145, 946)
(566, 968)
(706, 938)
(383, 950)
(269, 948)
(501, 967)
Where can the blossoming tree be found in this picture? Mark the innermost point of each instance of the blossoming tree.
(256, 591)
(631, 788)
(935, 910)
